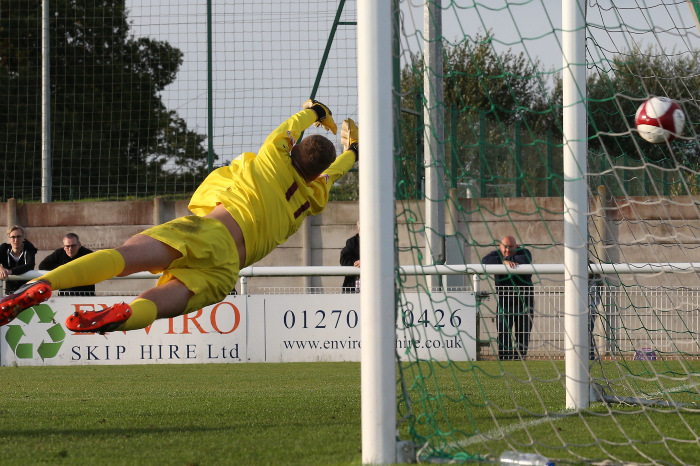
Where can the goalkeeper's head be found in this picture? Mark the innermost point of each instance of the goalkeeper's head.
(312, 156)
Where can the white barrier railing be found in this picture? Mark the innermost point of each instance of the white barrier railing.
(463, 269)
(666, 320)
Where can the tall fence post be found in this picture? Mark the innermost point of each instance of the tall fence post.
(434, 142)
(46, 181)
(419, 147)
(158, 211)
(396, 73)
(11, 212)
(454, 156)
(482, 153)
(550, 164)
(518, 160)
(210, 95)
(647, 179)
(605, 238)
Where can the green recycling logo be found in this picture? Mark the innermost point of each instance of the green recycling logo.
(46, 349)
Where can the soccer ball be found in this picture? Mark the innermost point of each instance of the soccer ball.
(659, 120)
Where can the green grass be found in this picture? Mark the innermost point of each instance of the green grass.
(215, 414)
(510, 403)
(309, 414)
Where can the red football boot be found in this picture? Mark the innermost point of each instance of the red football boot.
(106, 320)
(26, 296)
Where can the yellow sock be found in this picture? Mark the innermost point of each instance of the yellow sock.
(87, 270)
(144, 313)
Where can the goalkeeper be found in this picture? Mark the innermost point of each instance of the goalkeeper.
(242, 212)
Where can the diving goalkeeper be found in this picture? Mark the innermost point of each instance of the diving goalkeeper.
(242, 212)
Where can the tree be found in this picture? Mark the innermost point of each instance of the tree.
(111, 133)
(506, 88)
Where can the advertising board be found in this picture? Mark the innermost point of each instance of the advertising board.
(327, 327)
(252, 328)
(215, 334)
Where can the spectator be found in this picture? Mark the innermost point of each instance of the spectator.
(515, 300)
(16, 257)
(72, 249)
(595, 297)
(350, 256)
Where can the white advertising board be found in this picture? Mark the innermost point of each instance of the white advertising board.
(215, 334)
(300, 328)
(253, 328)
(441, 326)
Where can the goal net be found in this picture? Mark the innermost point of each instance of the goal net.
(481, 100)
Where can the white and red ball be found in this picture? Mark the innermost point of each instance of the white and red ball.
(659, 120)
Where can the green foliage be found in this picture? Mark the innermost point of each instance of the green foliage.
(617, 88)
(503, 90)
(503, 87)
(111, 132)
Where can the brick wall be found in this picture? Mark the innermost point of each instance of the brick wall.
(644, 228)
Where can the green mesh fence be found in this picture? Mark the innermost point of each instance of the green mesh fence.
(130, 89)
(501, 151)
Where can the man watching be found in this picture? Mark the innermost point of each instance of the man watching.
(72, 249)
(350, 256)
(515, 300)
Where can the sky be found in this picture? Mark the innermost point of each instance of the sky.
(266, 53)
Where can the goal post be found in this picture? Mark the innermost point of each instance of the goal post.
(575, 204)
(376, 114)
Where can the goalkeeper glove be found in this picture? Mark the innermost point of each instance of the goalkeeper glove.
(323, 114)
(350, 137)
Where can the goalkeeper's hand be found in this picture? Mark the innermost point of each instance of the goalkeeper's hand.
(323, 114)
(350, 137)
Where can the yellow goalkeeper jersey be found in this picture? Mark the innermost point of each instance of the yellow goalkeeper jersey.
(265, 194)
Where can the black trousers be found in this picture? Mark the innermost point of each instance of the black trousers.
(515, 312)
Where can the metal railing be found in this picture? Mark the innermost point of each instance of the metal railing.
(626, 321)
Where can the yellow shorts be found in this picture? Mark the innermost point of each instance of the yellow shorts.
(209, 264)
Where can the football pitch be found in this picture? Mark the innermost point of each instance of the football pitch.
(213, 414)
(303, 414)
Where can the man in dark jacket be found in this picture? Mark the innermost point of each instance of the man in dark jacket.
(350, 256)
(515, 300)
(72, 249)
(16, 257)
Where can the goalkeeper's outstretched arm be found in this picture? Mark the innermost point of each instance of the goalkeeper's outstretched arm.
(313, 113)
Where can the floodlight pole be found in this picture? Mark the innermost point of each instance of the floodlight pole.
(576, 342)
(378, 334)
(45, 103)
(434, 138)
